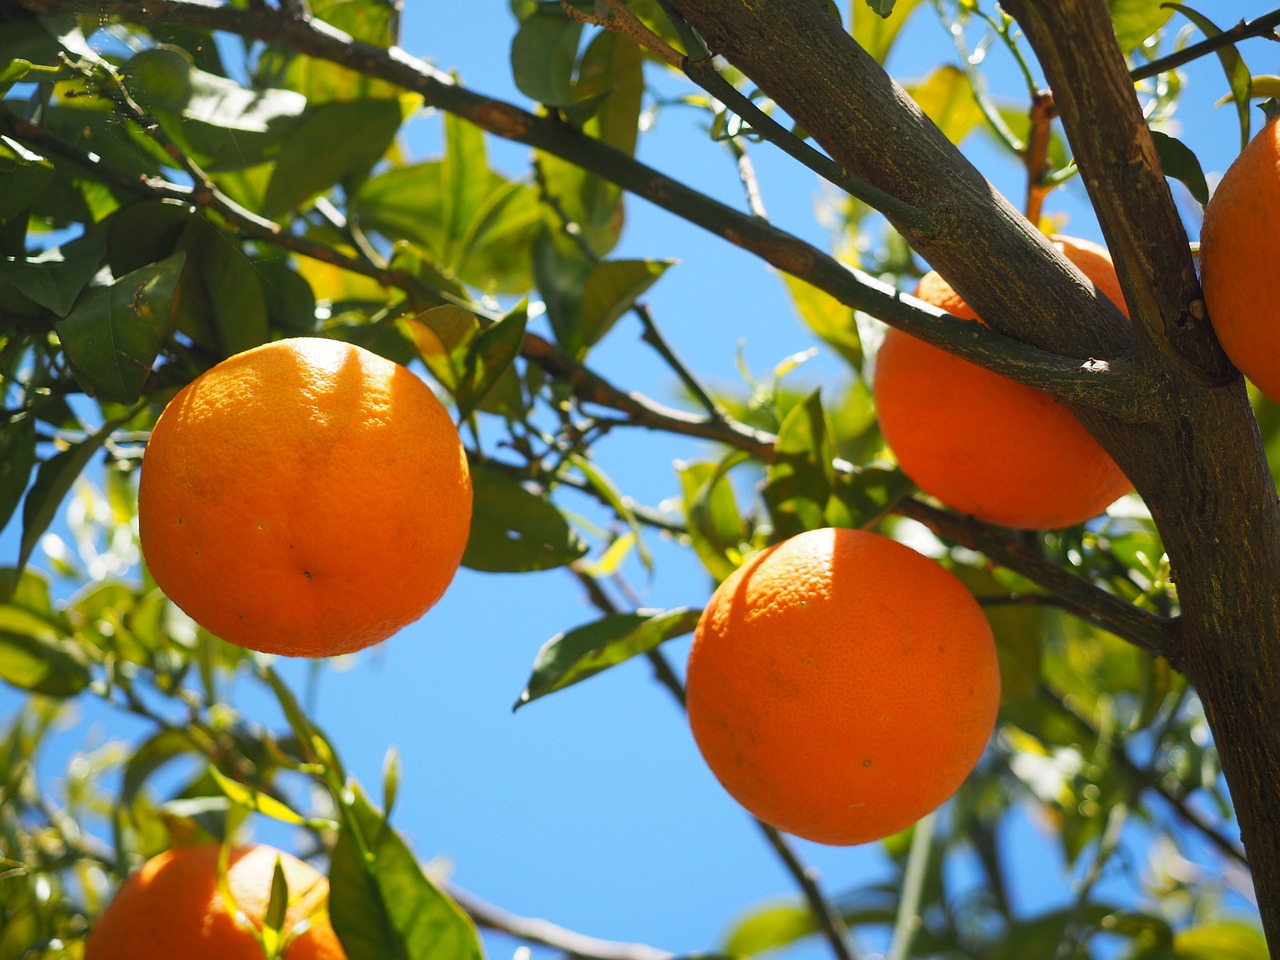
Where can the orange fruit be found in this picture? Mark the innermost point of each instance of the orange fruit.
(1238, 254)
(841, 685)
(983, 444)
(306, 497)
(172, 908)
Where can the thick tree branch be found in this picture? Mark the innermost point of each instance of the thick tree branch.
(1075, 41)
(1069, 369)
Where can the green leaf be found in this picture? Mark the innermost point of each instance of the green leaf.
(482, 239)
(490, 355)
(611, 289)
(1233, 66)
(874, 31)
(372, 21)
(277, 906)
(443, 337)
(17, 457)
(222, 302)
(543, 54)
(861, 499)
(333, 142)
(222, 125)
(568, 658)
(150, 757)
(1222, 940)
(23, 176)
(882, 8)
(769, 926)
(1135, 20)
(513, 530)
(607, 489)
(113, 333)
(715, 524)
(1177, 161)
(561, 280)
(385, 907)
(43, 663)
(946, 97)
(55, 278)
(53, 480)
(255, 800)
(799, 480)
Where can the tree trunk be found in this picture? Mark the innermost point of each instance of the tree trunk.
(1194, 453)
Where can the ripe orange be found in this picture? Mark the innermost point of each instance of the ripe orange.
(841, 685)
(306, 497)
(1238, 253)
(983, 444)
(172, 908)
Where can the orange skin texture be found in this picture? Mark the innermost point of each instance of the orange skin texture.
(1238, 256)
(983, 444)
(171, 908)
(841, 685)
(306, 498)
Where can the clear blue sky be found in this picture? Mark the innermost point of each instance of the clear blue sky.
(592, 808)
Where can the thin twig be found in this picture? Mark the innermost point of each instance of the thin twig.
(651, 335)
(547, 934)
(1036, 157)
(702, 71)
(1148, 631)
(1263, 26)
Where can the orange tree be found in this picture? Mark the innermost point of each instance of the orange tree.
(169, 198)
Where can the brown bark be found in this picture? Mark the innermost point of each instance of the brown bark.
(1197, 460)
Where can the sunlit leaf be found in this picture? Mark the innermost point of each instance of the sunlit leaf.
(875, 30)
(333, 142)
(1135, 20)
(490, 355)
(543, 54)
(715, 524)
(23, 175)
(1222, 940)
(382, 904)
(798, 481)
(946, 97)
(827, 317)
(568, 658)
(769, 926)
(1233, 66)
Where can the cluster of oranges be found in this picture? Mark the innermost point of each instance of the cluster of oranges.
(310, 498)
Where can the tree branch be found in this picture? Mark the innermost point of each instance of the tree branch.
(1075, 41)
(1150, 632)
(547, 934)
(1263, 26)
(1111, 383)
